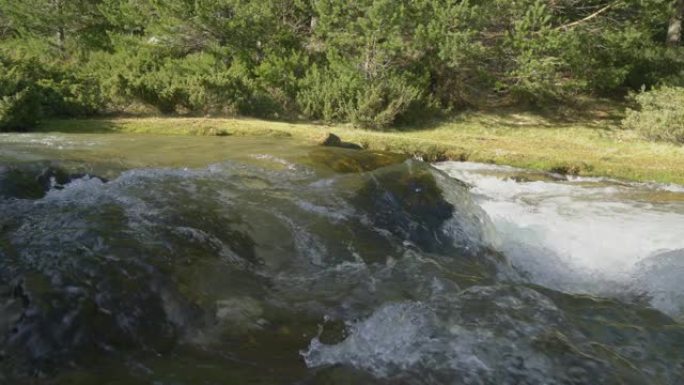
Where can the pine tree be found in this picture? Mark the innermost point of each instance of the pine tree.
(66, 24)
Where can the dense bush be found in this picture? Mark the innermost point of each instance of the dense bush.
(197, 83)
(660, 115)
(20, 99)
(374, 63)
(18, 110)
(30, 90)
(342, 94)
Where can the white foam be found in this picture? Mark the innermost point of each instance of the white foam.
(578, 237)
(394, 337)
(404, 340)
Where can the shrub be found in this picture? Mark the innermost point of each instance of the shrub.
(20, 96)
(29, 91)
(18, 110)
(339, 93)
(197, 83)
(660, 116)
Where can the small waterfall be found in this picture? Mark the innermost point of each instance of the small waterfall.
(580, 235)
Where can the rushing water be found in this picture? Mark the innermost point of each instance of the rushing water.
(586, 235)
(178, 260)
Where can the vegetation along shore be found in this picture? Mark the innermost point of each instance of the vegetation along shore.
(437, 78)
(597, 147)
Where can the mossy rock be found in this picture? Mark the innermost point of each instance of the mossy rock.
(343, 160)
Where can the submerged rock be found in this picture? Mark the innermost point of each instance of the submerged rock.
(350, 161)
(505, 334)
(29, 183)
(33, 181)
(408, 204)
(527, 177)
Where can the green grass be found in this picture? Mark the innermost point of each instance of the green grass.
(592, 145)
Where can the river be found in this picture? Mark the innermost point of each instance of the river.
(142, 259)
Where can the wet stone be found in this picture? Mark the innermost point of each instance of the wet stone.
(333, 140)
(349, 161)
(333, 332)
(409, 205)
(33, 181)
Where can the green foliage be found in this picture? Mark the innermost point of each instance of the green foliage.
(21, 94)
(374, 63)
(19, 104)
(660, 116)
(340, 93)
(29, 90)
(69, 25)
(197, 83)
(19, 100)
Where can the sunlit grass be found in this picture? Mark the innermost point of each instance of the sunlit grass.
(596, 147)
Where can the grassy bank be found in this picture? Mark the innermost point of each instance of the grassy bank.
(592, 146)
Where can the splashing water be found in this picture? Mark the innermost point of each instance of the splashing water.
(175, 260)
(584, 235)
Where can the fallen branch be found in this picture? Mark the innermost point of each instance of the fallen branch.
(593, 15)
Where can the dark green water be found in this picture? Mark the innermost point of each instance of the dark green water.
(178, 260)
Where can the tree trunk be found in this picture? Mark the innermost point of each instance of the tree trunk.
(674, 30)
(60, 32)
(61, 37)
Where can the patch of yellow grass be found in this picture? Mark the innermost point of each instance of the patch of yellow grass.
(590, 147)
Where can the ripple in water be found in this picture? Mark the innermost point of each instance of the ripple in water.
(276, 269)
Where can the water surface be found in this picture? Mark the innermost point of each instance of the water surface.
(189, 260)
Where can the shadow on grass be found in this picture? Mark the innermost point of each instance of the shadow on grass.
(594, 113)
(79, 126)
(419, 125)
